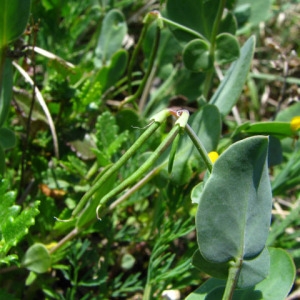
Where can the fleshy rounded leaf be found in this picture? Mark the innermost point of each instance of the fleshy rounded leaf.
(255, 270)
(227, 48)
(281, 276)
(196, 56)
(113, 31)
(37, 259)
(234, 210)
(196, 15)
(228, 23)
(217, 270)
(242, 13)
(14, 15)
(109, 74)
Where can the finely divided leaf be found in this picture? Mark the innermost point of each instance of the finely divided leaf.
(108, 138)
(13, 225)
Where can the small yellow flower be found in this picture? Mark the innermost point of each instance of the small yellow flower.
(213, 156)
(295, 123)
(51, 245)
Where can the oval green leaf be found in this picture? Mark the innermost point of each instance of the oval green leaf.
(14, 15)
(217, 270)
(112, 34)
(110, 74)
(255, 270)
(234, 210)
(281, 276)
(196, 15)
(227, 48)
(37, 259)
(228, 23)
(196, 57)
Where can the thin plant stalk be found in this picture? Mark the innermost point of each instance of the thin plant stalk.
(147, 292)
(66, 239)
(232, 279)
(142, 169)
(132, 98)
(115, 167)
(157, 120)
(135, 54)
(124, 197)
(136, 187)
(147, 88)
(216, 27)
(209, 75)
(199, 146)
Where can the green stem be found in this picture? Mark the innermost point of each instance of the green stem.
(215, 29)
(134, 56)
(136, 187)
(147, 292)
(2, 60)
(207, 84)
(143, 168)
(193, 136)
(147, 88)
(232, 279)
(209, 75)
(66, 239)
(116, 166)
(132, 98)
(120, 86)
(92, 171)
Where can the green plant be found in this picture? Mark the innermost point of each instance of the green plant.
(120, 190)
(14, 223)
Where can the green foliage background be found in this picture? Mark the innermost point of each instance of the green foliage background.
(83, 67)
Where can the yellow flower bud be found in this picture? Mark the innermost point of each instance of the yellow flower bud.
(213, 156)
(295, 123)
